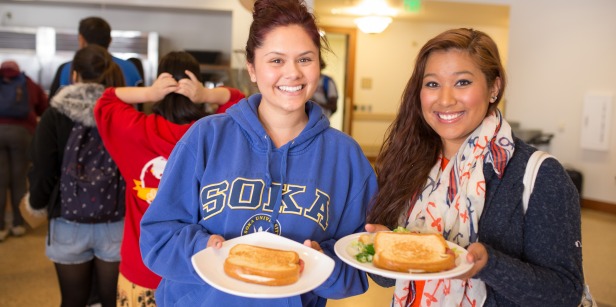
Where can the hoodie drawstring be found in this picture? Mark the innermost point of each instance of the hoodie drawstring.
(283, 172)
(268, 177)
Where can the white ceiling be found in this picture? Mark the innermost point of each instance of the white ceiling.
(432, 11)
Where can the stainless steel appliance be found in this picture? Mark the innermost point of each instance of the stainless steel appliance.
(40, 51)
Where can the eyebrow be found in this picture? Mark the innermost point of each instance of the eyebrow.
(282, 53)
(458, 73)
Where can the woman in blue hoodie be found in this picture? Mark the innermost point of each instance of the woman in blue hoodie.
(272, 162)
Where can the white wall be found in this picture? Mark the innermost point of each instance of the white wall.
(558, 52)
(387, 59)
(555, 53)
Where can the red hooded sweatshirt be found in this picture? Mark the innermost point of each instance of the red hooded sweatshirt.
(140, 144)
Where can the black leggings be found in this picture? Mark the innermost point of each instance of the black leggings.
(76, 282)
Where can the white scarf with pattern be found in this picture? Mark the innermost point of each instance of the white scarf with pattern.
(452, 202)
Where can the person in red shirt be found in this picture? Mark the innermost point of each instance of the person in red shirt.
(15, 137)
(141, 143)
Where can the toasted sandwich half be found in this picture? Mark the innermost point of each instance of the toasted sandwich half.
(412, 252)
(260, 265)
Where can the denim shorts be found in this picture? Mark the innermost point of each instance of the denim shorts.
(75, 243)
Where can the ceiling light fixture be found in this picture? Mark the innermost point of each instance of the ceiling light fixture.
(374, 15)
(373, 24)
(368, 7)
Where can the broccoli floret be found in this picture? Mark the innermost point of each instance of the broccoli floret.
(366, 254)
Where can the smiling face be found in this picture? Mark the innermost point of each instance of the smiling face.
(454, 97)
(286, 69)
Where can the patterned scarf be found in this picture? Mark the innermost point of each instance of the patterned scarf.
(452, 202)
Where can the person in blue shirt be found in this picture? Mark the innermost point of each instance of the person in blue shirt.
(95, 30)
(270, 163)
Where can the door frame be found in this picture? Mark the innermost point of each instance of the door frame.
(351, 34)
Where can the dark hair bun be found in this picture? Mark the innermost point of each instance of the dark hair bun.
(266, 7)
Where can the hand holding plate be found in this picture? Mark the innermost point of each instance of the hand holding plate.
(376, 228)
(478, 256)
(215, 241)
(313, 244)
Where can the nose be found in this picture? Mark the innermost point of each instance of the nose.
(292, 70)
(447, 97)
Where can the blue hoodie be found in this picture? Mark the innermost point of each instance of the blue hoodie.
(224, 177)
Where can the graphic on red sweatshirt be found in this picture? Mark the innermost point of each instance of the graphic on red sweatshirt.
(147, 184)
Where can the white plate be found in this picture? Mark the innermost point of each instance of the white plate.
(344, 251)
(209, 265)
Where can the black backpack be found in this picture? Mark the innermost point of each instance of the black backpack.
(14, 97)
(91, 187)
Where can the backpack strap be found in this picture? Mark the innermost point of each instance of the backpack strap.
(532, 168)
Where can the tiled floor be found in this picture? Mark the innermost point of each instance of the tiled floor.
(27, 277)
